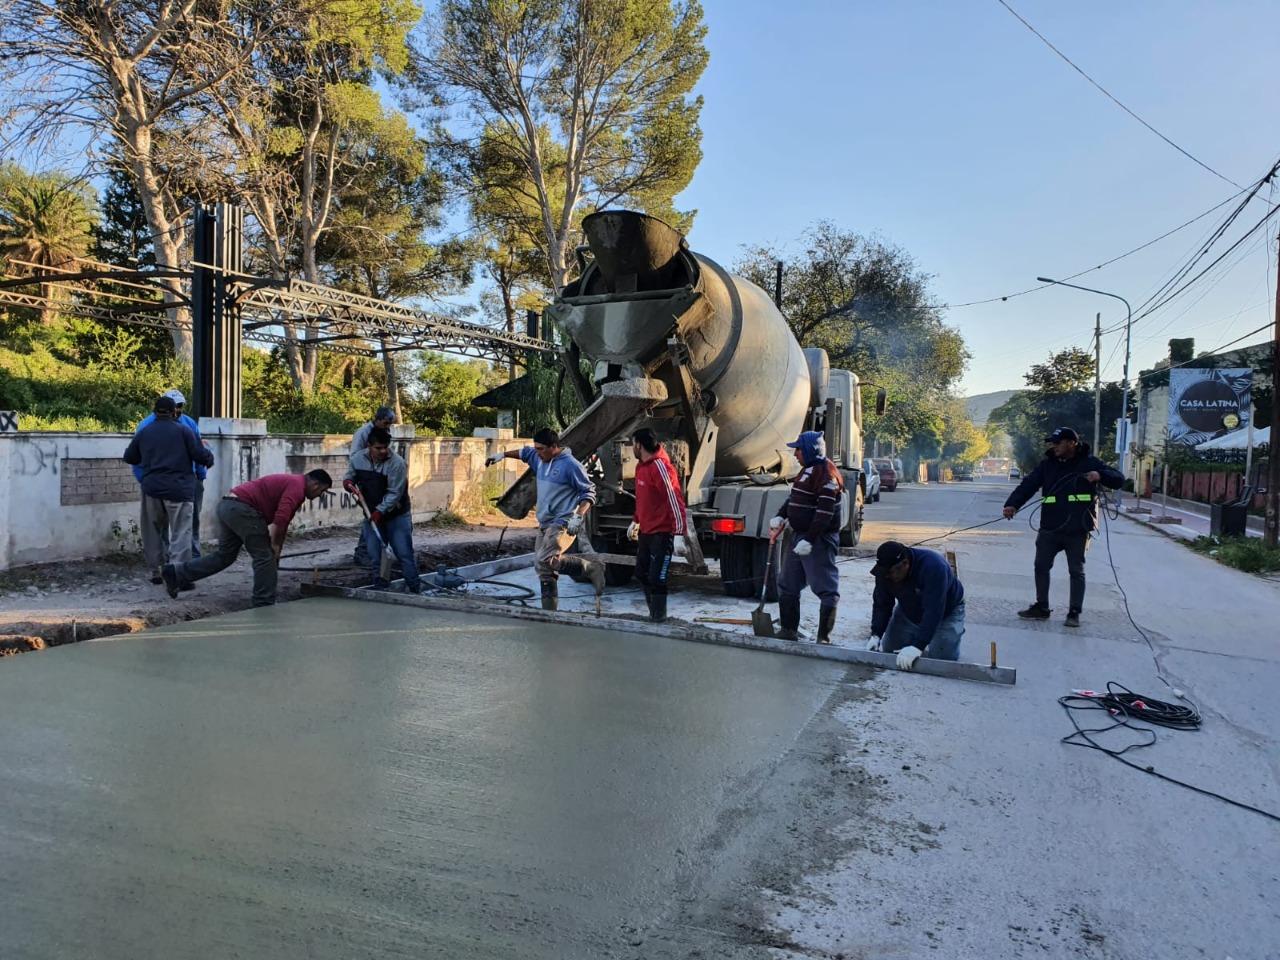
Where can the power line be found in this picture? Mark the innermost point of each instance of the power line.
(1218, 349)
(1108, 94)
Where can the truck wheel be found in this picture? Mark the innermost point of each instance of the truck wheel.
(761, 563)
(737, 566)
(852, 533)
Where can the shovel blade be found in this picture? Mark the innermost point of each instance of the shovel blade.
(761, 623)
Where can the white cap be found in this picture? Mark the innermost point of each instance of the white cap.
(176, 396)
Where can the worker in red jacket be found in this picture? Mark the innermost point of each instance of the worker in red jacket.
(659, 518)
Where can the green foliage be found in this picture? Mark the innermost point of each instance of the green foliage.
(1249, 554)
(440, 401)
(347, 394)
(1063, 372)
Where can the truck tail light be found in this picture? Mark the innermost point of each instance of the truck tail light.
(728, 525)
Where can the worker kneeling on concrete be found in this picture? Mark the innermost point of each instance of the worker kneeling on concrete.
(256, 516)
(565, 495)
(812, 510)
(918, 605)
(380, 476)
(658, 519)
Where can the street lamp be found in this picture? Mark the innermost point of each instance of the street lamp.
(1128, 331)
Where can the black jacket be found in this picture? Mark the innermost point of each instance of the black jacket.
(165, 450)
(1070, 501)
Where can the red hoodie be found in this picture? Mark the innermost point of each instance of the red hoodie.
(659, 504)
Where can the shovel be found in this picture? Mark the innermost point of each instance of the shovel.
(384, 569)
(761, 621)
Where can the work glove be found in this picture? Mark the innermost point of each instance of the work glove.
(574, 525)
(679, 547)
(350, 487)
(873, 643)
(802, 548)
(633, 531)
(490, 461)
(776, 526)
(907, 657)
(376, 518)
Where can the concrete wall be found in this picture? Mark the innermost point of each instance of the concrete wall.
(69, 496)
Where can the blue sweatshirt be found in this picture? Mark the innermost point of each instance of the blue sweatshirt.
(562, 485)
(165, 451)
(929, 594)
(200, 468)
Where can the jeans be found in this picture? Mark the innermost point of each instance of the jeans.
(240, 525)
(1074, 544)
(397, 531)
(653, 562)
(945, 643)
(817, 570)
(553, 542)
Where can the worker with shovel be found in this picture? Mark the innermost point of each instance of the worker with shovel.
(812, 511)
(565, 495)
(658, 519)
(380, 478)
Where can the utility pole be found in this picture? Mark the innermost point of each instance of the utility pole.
(1097, 384)
(1272, 529)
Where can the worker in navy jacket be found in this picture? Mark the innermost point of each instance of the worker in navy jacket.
(918, 605)
(1068, 479)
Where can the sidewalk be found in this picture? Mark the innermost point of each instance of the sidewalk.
(1194, 517)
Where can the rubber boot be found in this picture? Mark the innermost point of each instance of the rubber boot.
(826, 623)
(658, 607)
(550, 595)
(788, 618)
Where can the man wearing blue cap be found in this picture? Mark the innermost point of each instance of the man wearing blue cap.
(812, 511)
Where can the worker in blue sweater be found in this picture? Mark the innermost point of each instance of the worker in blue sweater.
(918, 605)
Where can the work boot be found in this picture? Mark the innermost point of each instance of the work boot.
(788, 618)
(1037, 611)
(595, 573)
(550, 595)
(658, 607)
(170, 577)
(1073, 618)
(826, 623)
(157, 577)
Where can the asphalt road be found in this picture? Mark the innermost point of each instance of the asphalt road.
(993, 839)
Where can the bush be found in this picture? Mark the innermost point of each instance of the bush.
(1249, 554)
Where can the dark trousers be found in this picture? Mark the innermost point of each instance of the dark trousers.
(1073, 543)
(240, 526)
(817, 570)
(198, 503)
(653, 561)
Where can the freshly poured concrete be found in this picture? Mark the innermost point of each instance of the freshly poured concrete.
(336, 779)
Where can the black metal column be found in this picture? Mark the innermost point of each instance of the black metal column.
(218, 259)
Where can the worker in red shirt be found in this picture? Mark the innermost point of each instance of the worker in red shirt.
(658, 519)
(256, 516)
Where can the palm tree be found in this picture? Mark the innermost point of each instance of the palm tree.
(45, 219)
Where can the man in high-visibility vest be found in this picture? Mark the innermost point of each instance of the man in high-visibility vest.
(1067, 478)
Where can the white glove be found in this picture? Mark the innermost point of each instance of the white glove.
(776, 523)
(802, 548)
(490, 461)
(574, 525)
(633, 531)
(873, 643)
(679, 547)
(907, 657)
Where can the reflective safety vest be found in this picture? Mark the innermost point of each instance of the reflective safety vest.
(1071, 498)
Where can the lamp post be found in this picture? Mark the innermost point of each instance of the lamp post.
(1128, 332)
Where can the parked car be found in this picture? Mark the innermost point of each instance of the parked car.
(962, 473)
(1015, 473)
(872, 480)
(888, 475)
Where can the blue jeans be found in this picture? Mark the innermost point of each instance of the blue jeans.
(945, 644)
(398, 532)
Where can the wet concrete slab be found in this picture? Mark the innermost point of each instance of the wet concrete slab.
(333, 778)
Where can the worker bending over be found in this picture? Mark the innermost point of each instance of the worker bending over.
(658, 519)
(256, 516)
(918, 605)
(1068, 479)
(812, 510)
(380, 476)
(565, 495)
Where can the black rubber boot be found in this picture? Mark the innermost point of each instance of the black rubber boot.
(658, 607)
(788, 617)
(826, 623)
(1037, 611)
(550, 595)
(1073, 618)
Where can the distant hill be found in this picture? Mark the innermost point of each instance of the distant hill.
(981, 405)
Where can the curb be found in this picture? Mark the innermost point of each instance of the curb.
(1161, 528)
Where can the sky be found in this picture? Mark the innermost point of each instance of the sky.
(946, 127)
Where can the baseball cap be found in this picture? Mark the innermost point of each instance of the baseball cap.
(176, 396)
(889, 554)
(165, 404)
(1062, 433)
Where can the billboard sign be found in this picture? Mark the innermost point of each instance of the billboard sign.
(1204, 404)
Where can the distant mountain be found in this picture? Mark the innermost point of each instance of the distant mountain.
(981, 405)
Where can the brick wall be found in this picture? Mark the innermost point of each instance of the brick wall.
(97, 480)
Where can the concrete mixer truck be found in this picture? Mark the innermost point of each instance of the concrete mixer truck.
(706, 360)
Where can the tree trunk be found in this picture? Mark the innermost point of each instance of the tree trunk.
(393, 381)
(508, 308)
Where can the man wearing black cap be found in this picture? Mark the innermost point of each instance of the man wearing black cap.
(1068, 479)
(917, 607)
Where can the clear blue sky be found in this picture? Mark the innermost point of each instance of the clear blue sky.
(948, 128)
